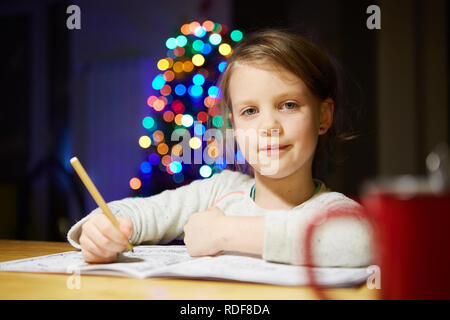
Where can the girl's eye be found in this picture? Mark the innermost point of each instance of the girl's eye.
(249, 111)
(290, 105)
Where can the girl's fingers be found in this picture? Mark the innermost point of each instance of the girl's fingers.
(109, 231)
(102, 242)
(126, 226)
(90, 257)
(100, 254)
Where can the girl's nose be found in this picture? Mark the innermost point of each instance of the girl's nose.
(269, 126)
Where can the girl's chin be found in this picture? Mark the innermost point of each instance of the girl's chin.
(274, 172)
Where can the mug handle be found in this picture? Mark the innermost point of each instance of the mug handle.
(309, 259)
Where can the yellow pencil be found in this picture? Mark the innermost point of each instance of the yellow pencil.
(95, 194)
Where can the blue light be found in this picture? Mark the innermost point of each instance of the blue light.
(199, 129)
(158, 82)
(154, 159)
(200, 32)
(195, 91)
(221, 163)
(175, 167)
(206, 49)
(222, 66)
(180, 89)
(146, 167)
(213, 91)
(205, 171)
(198, 79)
(239, 157)
(181, 41)
(170, 54)
(178, 177)
(171, 43)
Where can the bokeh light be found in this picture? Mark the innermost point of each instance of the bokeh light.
(186, 91)
(195, 142)
(222, 66)
(145, 142)
(168, 116)
(148, 122)
(199, 129)
(205, 171)
(162, 148)
(181, 41)
(171, 43)
(198, 79)
(202, 116)
(225, 49)
(187, 120)
(154, 159)
(163, 64)
(217, 121)
(158, 82)
(236, 35)
(177, 150)
(180, 89)
(198, 60)
(135, 183)
(146, 167)
(175, 167)
(158, 136)
(215, 39)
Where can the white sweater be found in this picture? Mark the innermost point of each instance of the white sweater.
(344, 242)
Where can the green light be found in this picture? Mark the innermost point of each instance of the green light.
(197, 45)
(236, 35)
(148, 122)
(179, 127)
(217, 121)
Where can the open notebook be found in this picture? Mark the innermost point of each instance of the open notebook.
(174, 261)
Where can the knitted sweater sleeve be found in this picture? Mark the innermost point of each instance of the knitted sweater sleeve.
(336, 242)
(160, 218)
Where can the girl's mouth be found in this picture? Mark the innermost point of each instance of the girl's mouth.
(275, 149)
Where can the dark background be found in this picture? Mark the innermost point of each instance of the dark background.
(80, 92)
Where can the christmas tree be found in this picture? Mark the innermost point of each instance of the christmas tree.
(184, 105)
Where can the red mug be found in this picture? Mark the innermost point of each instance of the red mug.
(411, 243)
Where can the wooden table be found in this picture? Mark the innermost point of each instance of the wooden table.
(21, 285)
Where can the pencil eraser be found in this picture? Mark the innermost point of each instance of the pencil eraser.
(73, 159)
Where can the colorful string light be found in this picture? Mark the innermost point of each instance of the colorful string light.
(185, 91)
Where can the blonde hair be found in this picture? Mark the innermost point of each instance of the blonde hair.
(283, 48)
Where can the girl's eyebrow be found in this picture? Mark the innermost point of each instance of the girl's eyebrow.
(277, 97)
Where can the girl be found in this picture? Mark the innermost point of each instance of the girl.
(284, 90)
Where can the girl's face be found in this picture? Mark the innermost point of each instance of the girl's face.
(276, 119)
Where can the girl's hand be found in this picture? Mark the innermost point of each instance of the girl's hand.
(201, 232)
(100, 241)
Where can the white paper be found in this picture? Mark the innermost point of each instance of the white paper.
(174, 261)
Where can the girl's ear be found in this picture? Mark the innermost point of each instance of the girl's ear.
(230, 119)
(326, 115)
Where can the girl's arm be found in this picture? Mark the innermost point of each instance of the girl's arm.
(280, 237)
(160, 218)
(243, 234)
